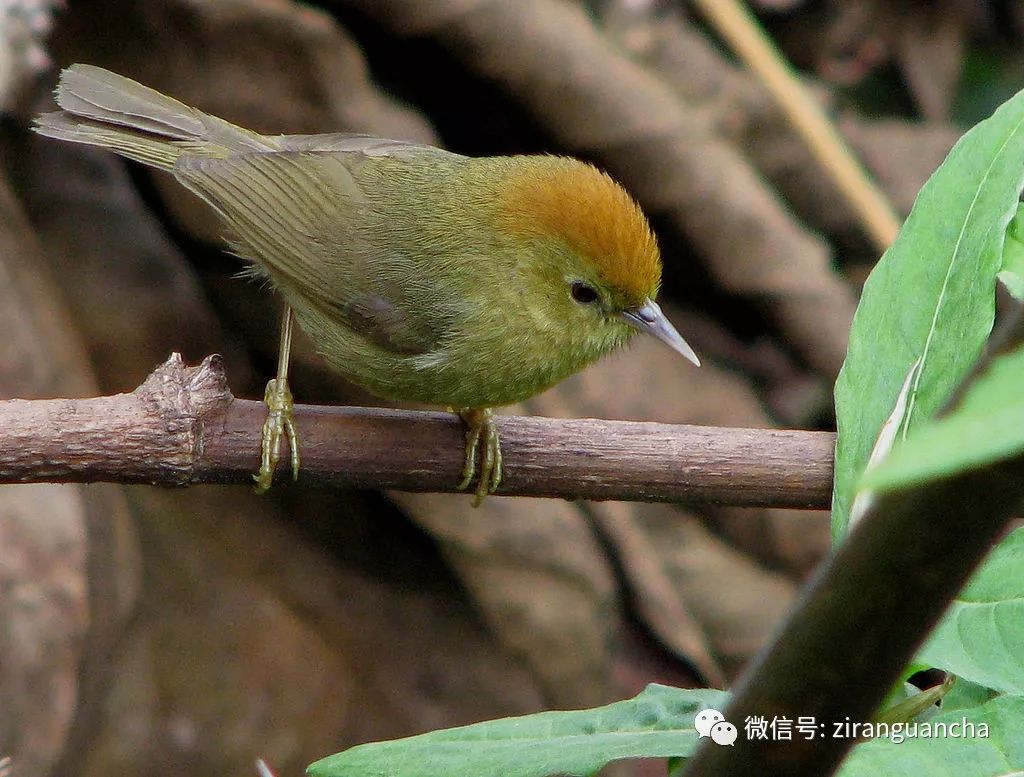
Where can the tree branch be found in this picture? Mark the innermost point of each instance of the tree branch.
(182, 427)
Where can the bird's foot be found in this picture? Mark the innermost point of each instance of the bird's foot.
(481, 428)
(280, 423)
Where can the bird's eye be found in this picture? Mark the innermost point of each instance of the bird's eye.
(583, 293)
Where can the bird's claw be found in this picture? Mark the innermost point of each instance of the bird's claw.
(280, 423)
(480, 426)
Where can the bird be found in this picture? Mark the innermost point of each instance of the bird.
(418, 273)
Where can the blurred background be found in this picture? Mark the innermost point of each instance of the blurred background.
(146, 631)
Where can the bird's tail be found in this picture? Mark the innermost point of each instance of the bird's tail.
(101, 108)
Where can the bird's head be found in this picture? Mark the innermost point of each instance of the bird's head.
(595, 261)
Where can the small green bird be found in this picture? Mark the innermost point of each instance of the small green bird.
(419, 274)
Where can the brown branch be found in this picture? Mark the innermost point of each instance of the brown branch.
(183, 427)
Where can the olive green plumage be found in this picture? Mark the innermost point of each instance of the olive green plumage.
(418, 273)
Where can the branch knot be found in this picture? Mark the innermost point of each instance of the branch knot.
(183, 399)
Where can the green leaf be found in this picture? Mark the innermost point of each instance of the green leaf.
(1011, 272)
(936, 755)
(965, 694)
(931, 297)
(657, 723)
(981, 636)
(865, 498)
(987, 426)
(918, 705)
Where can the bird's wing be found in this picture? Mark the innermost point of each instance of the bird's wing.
(292, 213)
(348, 142)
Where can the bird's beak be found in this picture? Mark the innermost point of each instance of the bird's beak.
(649, 318)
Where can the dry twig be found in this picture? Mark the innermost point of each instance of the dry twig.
(740, 28)
(183, 427)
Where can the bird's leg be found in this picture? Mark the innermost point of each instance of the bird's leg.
(480, 427)
(280, 421)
